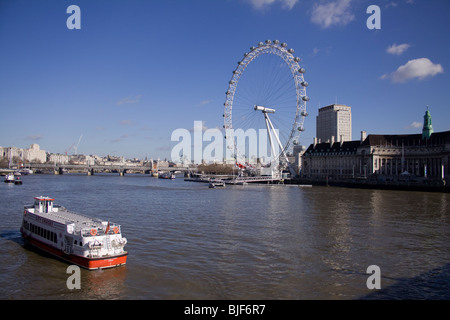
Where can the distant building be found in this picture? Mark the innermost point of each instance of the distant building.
(58, 158)
(425, 155)
(334, 123)
(33, 154)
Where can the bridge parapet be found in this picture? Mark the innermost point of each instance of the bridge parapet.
(90, 169)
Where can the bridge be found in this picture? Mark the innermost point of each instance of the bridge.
(91, 169)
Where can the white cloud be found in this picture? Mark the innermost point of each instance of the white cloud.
(398, 49)
(263, 4)
(332, 13)
(414, 125)
(414, 69)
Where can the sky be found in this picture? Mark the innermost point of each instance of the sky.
(137, 70)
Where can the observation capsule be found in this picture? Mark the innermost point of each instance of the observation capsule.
(252, 48)
(302, 70)
(260, 44)
(268, 42)
(301, 129)
(284, 44)
(276, 41)
(304, 113)
(297, 59)
(305, 98)
(291, 51)
(304, 83)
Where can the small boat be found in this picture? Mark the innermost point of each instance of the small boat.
(216, 184)
(17, 181)
(26, 171)
(9, 178)
(78, 239)
(166, 175)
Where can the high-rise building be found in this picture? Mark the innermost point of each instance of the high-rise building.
(334, 123)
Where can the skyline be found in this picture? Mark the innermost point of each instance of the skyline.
(138, 70)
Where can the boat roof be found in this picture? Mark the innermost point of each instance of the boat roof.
(66, 217)
(44, 198)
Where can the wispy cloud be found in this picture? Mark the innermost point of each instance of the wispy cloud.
(126, 122)
(391, 4)
(121, 138)
(333, 13)
(264, 4)
(414, 69)
(130, 100)
(204, 102)
(35, 137)
(398, 49)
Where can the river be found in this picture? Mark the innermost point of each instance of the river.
(187, 241)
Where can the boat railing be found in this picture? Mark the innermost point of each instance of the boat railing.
(99, 231)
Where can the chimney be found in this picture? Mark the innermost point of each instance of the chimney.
(341, 140)
(332, 141)
(315, 141)
(363, 136)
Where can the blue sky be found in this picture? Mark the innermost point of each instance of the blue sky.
(138, 70)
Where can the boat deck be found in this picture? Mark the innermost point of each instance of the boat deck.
(66, 217)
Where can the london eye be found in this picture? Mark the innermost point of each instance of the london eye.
(266, 96)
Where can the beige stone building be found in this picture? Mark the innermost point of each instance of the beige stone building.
(32, 154)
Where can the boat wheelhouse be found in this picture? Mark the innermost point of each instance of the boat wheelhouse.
(88, 242)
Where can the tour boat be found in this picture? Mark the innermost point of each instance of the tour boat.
(216, 183)
(78, 239)
(9, 178)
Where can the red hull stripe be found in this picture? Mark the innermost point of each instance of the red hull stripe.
(88, 263)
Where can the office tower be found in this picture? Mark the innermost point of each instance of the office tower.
(334, 123)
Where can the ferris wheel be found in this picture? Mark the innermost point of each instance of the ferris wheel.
(266, 94)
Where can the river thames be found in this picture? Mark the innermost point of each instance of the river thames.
(187, 241)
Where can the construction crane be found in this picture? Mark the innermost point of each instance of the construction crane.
(75, 147)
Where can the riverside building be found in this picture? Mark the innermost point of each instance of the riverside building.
(392, 157)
